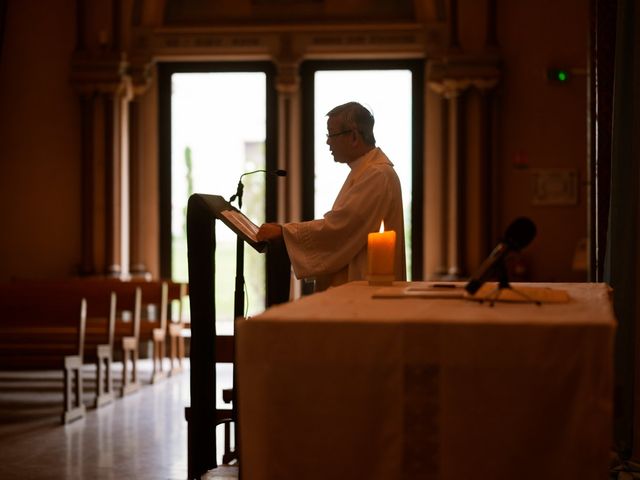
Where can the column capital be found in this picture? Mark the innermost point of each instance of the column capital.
(287, 61)
(450, 76)
(140, 69)
(288, 79)
(105, 73)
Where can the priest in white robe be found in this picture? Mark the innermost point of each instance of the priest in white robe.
(333, 250)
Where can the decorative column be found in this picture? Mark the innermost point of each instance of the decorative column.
(454, 192)
(105, 92)
(451, 194)
(87, 111)
(466, 159)
(289, 134)
(289, 120)
(434, 215)
(113, 185)
(141, 80)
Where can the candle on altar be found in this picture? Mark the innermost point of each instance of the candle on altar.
(381, 252)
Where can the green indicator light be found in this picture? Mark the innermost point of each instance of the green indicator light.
(559, 75)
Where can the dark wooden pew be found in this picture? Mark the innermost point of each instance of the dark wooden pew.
(41, 329)
(105, 333)
(156, 325)
(115, 320)
(113, 324)
(150, 320)
(125, 336)
(99, 331)
(100, 323)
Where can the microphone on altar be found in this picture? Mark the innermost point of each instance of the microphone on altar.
(240, 189)
(517, 236)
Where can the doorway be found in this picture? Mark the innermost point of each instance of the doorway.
(216, 124)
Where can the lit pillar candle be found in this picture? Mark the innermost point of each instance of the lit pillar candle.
(381, 250)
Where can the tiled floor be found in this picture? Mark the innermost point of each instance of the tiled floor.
(141, 436)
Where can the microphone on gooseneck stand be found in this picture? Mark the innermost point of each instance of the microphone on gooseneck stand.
(238, 303)
(517, 236)
(240, 189)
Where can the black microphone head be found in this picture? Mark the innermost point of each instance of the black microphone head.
(519, 233)
(281, 173)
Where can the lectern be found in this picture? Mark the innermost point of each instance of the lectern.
(202, 416)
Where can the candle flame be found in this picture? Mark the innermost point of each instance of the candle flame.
(382, 226)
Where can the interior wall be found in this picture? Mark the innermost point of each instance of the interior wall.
(540, 126)
(39, 142)
(543, 125)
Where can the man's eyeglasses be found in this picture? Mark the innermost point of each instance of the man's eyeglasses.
(337, 134)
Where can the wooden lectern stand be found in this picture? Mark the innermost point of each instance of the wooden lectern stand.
(202, 416)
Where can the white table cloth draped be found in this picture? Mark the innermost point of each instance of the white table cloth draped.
(342, 385)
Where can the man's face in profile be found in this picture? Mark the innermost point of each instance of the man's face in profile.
(339, 140)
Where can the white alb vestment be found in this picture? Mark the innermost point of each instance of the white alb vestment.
(334, 249)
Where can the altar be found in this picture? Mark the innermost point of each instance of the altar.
(344, 385)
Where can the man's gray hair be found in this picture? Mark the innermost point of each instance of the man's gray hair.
(355, 116)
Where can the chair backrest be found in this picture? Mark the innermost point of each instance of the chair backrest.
(124, 309)
(154, 294)
(178, 292)
(129, 301)
(101, 303)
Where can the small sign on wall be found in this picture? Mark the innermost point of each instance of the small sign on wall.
(555, 186)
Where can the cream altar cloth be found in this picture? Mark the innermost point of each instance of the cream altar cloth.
(344, 386)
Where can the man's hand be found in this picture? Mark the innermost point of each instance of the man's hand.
(269, 231)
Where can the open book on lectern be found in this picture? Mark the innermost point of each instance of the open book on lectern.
(242, 226)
